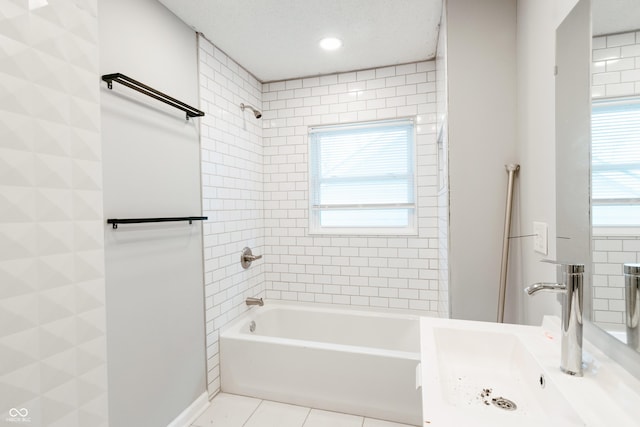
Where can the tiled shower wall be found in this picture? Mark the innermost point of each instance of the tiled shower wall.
(232, 193)
(52, 293)
(255, 193)
(609, 255)
(616, 65)
(376, 271)
(615, 73)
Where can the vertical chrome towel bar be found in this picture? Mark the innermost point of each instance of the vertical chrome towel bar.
(512, 169)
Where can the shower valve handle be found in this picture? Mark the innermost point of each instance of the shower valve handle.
(247, 257)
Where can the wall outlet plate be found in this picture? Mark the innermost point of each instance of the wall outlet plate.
(541, 237)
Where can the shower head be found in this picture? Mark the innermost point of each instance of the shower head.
(256, 113)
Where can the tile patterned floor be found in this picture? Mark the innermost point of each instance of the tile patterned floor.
(230, 410)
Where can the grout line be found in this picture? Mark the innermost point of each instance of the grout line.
(252, 413)
(306, 418)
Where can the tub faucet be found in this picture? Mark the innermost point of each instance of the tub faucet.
(571, 288)
(254, 301)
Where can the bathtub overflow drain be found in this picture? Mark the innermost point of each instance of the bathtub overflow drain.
(252, 326)
(503, 403)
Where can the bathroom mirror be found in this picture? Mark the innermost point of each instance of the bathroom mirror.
(598, 71)
(615, 84)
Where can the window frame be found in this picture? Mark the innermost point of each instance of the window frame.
(315, 228)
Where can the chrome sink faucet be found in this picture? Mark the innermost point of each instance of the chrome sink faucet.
(571, 288)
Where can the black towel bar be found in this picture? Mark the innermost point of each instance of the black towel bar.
(116, 221)
(149, 91)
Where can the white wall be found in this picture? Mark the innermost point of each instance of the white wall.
(155, 302)
(537, 23)
(481, 49)
(232, 191)
(52, 289)
(377, 271)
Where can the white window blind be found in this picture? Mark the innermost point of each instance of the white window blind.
(362, 177)
(615, 162)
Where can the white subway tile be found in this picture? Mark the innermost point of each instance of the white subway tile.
(323, 298)
(628, 76)
(606, 78)
(359, 300)
(406, 69)
(406, 90)
(378, 302)
(318, 110)
(616, 281)
(599, 42)
(339, 88)
(348, 117)
(385, 72)
(386, 92)
(608, 316)
(426, 66)
(346, 77)
(397, 101)
(276, 86)
(356, 86)
(375, 84)
(416, 78)
(632, 50)
(394, 81)
(329, 99)
(598, 91)
(319, 90)
(293, 84)
(357, 106)
(367, 115)
(606, 54)
(312, 81)
(328, 79)
(341, 299)
(373, 104)
(621, 39)
(408, 110)
(398, 303)
(365, 75)
(620, 64)
(386, 113)
(300, 93)
(621, 89)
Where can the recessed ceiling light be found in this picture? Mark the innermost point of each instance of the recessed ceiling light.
(330, 43)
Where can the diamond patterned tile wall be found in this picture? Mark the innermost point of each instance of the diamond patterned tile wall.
(52, 304)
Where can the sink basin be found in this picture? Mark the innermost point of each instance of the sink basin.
(478, 373)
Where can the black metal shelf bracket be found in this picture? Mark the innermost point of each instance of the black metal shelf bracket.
(153, 93)
(115, 221)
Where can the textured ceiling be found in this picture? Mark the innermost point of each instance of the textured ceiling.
(278, 39)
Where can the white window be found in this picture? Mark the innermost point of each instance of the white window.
(615, 162)
(362, 178)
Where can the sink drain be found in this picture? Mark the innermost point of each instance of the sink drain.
(504, 403)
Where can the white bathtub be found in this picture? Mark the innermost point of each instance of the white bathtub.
(352, 361)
